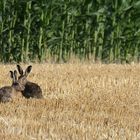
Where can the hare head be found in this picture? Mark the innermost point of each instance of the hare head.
(23, 75)
(16, 84)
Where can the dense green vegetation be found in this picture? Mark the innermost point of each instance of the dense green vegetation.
(101, 30)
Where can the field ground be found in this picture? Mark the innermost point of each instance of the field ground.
(82, 101)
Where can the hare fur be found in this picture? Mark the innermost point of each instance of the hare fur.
(32, 90)
(8, 93)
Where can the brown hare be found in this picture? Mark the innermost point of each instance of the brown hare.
(32, 90)
(8, 93)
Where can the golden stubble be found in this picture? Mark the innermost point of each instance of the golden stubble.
(82, 101)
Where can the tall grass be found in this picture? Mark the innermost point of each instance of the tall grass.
(106, 31)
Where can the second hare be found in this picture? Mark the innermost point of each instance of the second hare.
(8, 93)
(32, 90)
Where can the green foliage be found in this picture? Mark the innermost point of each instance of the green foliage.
(107, 31)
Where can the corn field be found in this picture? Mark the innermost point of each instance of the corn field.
(58, 30)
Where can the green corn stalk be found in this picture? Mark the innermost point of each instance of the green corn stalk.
(99, 34)
(40, 43)
(2, 8)
(28, 26)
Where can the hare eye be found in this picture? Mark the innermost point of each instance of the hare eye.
(16, 84)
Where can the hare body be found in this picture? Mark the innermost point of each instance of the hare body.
(32, 90)
(5, 94)
(8, 93)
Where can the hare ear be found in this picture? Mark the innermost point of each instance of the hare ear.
(28, 70)
(20, 70)
(12, 76)
(15, 74)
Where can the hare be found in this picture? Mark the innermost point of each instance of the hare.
(8, 93)
(32, 90)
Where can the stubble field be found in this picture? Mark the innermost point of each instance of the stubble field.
(81, 101)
